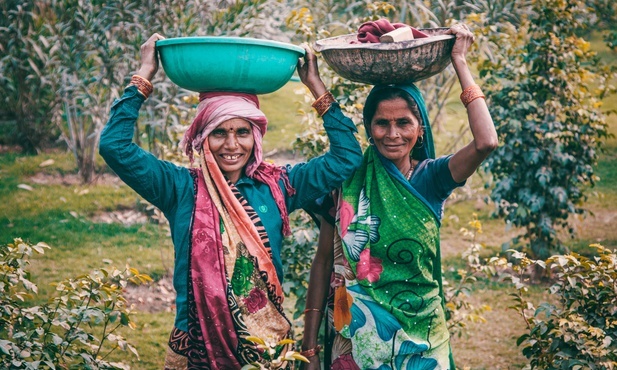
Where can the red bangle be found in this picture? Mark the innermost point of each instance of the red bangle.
(311, 352)
(323, 103)
(313, 309)
(470, 94)
(143, 85)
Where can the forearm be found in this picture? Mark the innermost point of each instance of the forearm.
(465, 162)
(480, 120)
(319, 283)
(317, 87)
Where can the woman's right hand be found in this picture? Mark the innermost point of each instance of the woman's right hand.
(464, 40)
(149, 57)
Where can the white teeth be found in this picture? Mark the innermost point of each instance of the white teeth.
(231, 157)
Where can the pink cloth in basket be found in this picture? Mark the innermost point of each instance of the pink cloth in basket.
(369, 32)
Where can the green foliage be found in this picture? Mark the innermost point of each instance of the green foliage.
(603, 17)
(580, 331)
(545, 89)
(459, 310)
(90, 46)
(281, 108)
(298, 253)
(26, 93)
(62, 332)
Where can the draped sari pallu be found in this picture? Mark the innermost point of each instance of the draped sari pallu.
(234, 290)
(387, 310)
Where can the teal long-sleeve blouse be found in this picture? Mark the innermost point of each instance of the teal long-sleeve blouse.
(170, 187)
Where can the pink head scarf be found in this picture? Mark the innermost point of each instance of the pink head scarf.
(217, 107)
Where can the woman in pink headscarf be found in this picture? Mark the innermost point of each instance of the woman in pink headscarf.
(228, 217)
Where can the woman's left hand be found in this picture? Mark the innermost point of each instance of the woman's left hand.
(464, 39)
(309, 72)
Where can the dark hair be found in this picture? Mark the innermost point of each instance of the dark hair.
(387, 93)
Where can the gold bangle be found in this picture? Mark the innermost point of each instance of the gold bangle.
(470, 94)
(323, 103)
(144, 86)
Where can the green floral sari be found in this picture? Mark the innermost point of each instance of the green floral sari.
(387, 310)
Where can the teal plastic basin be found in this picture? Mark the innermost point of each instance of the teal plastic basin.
(238, 64)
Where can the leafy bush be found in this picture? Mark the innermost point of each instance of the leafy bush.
(26, 93)
(62, 332)
(603, 17)
(298, 253)
(545, 90)
(459, 311)
(580, 330)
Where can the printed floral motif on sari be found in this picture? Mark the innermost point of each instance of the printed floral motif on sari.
(342, 269)
(348, 272)
(413, 353)
(386, 324)
(256, 300)
(342, 307)
(346, 215)
(374, 327)
(368, 267)
(241, 280)
(415, 362)
(364, 227)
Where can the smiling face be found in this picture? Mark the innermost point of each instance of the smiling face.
(395, 130)
(231, 144)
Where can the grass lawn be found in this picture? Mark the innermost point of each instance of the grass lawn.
(62, 213)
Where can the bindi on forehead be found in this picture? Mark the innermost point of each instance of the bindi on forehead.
(235, 125)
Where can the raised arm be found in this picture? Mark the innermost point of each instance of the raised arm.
(327, 172)
(139, 169)
(465, 162)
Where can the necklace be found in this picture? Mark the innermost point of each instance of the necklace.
(408, 175)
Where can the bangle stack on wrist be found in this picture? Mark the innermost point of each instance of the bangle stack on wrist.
(323, 103)
(470, 94)
(142, 84)
(311, 352)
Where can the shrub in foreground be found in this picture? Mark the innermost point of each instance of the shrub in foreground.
(75, 329)
(579, 329)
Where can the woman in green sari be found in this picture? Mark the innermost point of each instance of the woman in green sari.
(386, 308)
